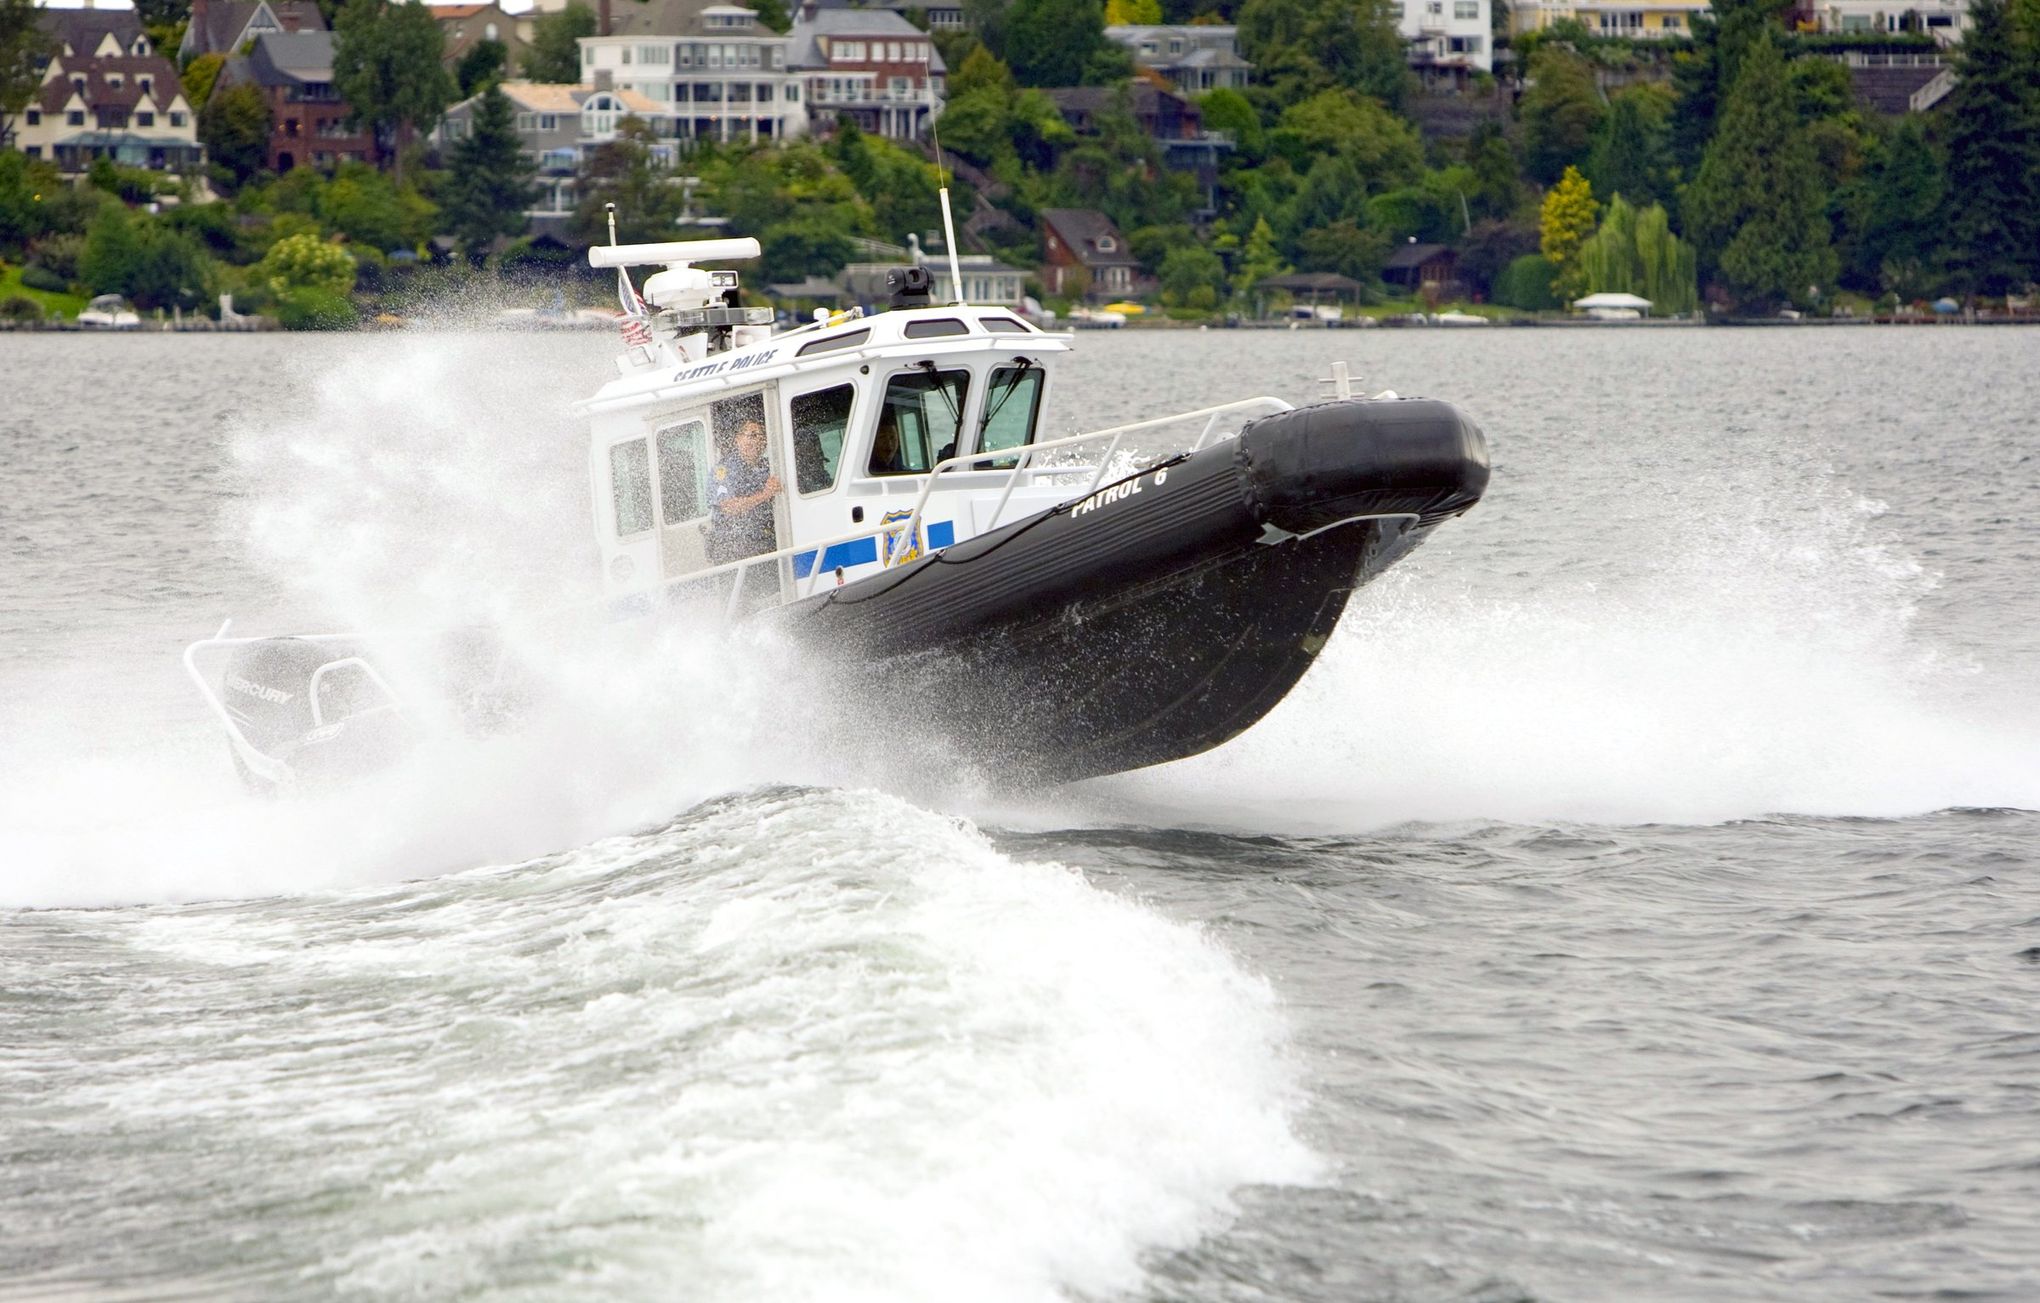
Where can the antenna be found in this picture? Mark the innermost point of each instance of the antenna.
(942, 191)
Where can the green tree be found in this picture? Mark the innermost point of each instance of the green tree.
(1561, 113)
(200, 76)
(23, 48)
(1632, 154)
(386, 65)
(1901, 219)
(901, 186)
(1564, 224)
(1052, 42)
(1301, 47)
(488, 184)
(1497, 191)
(1258, 260)
(234, 127)
(154, 266)
(1228, 110)
(306, 262)
(1636, 253)
(1993, 136)
(1383, 147)
(627, 172)
(1346, 248)
(1140, 13)
(554, 54)
(1701, 78)
(1757, 209)
(1192, 276)
(484, 64)
(368, 208)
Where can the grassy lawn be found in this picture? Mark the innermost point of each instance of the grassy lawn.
(10, 285)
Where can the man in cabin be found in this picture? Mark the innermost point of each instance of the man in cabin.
(742, 494)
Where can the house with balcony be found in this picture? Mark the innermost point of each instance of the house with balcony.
(1653, 21)
(1944, 20)
(224, 26)
(1448, 40)
(714, 69)
(1192, 59)
(126, 108)
(557, 126)
(1171, 120)
(1083, 255)
(867, 66)
(307, 117)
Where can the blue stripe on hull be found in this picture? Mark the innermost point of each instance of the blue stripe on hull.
(857, 552)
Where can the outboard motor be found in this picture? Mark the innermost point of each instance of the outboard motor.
(315, 707)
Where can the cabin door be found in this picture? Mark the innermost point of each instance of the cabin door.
(681, 451)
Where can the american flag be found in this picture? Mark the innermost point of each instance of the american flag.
(636, 332)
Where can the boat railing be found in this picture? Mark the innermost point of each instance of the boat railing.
(1024, 455)
(1113, 436)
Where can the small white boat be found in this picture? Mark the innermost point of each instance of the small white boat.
(109, 312)
(888, 489)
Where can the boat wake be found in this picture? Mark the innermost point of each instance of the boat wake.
(795, 1044)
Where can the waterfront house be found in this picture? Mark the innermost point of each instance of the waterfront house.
(1421, 267)
(721, 74)
(557, 126)
(126, 108)
(225, 26)
(1447, 40)
(869, 66)
(1650, 20)
(1172, 121)
(308, 119)
(1193, 59)
(1083, 255)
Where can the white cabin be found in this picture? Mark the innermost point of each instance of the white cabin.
(954, 381)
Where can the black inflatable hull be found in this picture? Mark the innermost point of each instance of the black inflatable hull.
(1167, 612)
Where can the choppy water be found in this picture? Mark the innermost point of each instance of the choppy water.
(1639, 900)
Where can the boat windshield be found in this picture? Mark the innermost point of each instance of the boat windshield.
(919, 422)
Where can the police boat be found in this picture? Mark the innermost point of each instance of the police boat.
(888, 488)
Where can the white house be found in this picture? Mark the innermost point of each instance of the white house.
(720, 73)
(1451, 37)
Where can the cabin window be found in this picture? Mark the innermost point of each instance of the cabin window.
(919, 423)
(820, 420)
(1012, 402)
(1006, 325)
(683, 472)
(630, 483)
(938, 327)
(848, 339)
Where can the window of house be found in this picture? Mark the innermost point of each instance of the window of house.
(630, 487)
(75, 118)
(35, 117)
(820, 422)
(919, 422)
(548, 122)
(1466, 8)
(683, 472)
(145, 119)
(1106, 244)
(176, 119)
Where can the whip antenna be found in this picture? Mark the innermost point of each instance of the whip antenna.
(941, 175)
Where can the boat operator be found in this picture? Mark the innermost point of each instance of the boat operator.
(744, 489)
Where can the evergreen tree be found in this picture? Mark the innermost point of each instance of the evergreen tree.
(1756, 210)
(1301, 47)
(1564, 225)
(1722, 34)
(626, 172)
(1993, 118)
(489, 185)
(1561, 113)
(1901, 213)
(483, 65)
(1496, 189)
(1052, 42)
(1632, 153)
(386, 65)
(554, 54)
(234, 128)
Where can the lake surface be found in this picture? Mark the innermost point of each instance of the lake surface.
(1640, 898)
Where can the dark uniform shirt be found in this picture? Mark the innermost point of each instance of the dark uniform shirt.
(734, 536)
